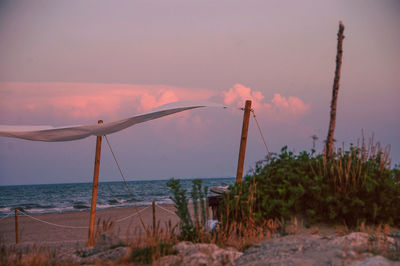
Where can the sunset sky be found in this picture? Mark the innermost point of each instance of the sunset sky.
(75, 62)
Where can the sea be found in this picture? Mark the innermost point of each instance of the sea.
(68, 197)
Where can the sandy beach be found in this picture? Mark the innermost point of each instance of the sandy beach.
(51, 230)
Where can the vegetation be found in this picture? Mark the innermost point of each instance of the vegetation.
(189, 230)
(148, 254)
(29, 257)
(237, 234)
(353, 186)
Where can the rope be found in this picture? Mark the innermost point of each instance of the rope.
(262, 136)
(123, 178)
(49, 223)
(137, 213)
(119, 168)
(9, 214)
(78, 227)
(162, 208)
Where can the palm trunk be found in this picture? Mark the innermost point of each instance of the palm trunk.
(335, 91)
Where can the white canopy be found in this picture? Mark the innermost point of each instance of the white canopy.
(53, 134)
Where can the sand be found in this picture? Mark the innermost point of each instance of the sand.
(36, 232)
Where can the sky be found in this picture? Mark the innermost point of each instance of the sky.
(75, 62)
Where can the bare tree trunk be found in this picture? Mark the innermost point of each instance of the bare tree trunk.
(335, 91)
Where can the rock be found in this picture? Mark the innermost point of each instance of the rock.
(103, 256)
(311, 250)
(170, 260)
(356, 240)
(375, 261)
(200, 254)
(226, 256)
(110, 255)
(108, 247)
(198, 259)
(188, 248)
(106, 241)
(301, 249)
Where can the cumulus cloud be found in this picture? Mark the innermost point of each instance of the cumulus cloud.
(278, 108)
(290, 105)
(238, 94)
(61, 103)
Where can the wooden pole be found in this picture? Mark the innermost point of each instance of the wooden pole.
(16, 226)
(154, 218)
(243, 141)
(94, 190)
(335, 91)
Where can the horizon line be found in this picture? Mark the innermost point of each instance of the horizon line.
(115, 181)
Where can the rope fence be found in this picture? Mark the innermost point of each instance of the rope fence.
(53, 224)
(9, 214)
(132, 215)
(137, 213)
(78, 227)
(82, 227)
(162, 208)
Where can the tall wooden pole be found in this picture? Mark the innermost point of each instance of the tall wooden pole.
(335, 91)
(243, 141)
(16, 226)
(94, 190)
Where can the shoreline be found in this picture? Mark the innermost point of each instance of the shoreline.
(73, 226)
(10, 212)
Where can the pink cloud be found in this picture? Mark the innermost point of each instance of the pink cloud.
(90, 101)
(86, 102)
(149, 101)
(291, 105)
(278, 108)
(239, 94)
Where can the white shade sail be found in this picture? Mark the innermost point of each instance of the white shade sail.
(53, 134)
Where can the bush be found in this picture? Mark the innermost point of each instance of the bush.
(355, 185)
(190, 231)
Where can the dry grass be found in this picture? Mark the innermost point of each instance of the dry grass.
(29, 257)
(348, 169)
(154, 243)
(103, 226)
(380, 241)
(148, 244)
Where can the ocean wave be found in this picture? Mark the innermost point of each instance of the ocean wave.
(6, 209)
(80, 206)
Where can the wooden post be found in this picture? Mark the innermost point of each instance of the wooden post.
(94, 190)
(335, 91)
(16, 226)
(243, 141)
(154, 218)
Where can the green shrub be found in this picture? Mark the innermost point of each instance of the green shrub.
(355, 185)
(190, 231)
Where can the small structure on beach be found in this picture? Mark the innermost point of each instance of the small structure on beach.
(71, 133)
